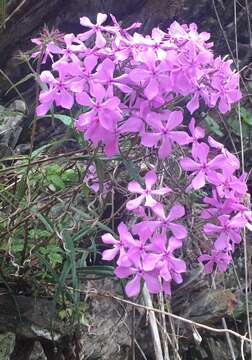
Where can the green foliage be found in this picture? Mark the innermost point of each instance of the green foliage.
(50, 224)
(213, 126)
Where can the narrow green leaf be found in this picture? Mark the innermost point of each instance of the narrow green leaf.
(56, 181)
(100, 170)
(43, 219)
(23, 80)
(213, 126)
(66, 120)
(21, 187)
(132, 170)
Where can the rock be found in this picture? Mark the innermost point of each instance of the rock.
(7, 342)
(11, 125)
(108, 335)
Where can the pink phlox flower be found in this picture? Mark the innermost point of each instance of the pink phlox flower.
(120, 245)
(73, 46)
(232, 160)
(92, 180)
(181, 33)
(105, 76)
(147, 193)
(200, 166)
(58, 91)
(197, 133)
(96, 29)
(43, 50)
(246, 214)
(83, 73)
(151, 77)
(158, 43)
(93, 131)
(227, 185)
(107, 110)
(176, 212)
(218, 206)
(139, 250)
(163, 222)
(139, 272)
(192, 61)
(169, 266)
(228, 230)
(219, 258)
(164, 133)
(135, 122)
(118, 30)
(226, 84)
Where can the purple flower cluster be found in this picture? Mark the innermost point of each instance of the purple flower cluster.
(149, 254)
(225, 212)
(130, 83)
(127, 82)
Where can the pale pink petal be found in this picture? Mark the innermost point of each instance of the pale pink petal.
(176, 212)
(47, 77)
(178, 230)
(165, 148)
(109, 239)
(110, 254)
(149, 201)
(180, 137)
(135, 187)
(154, 120)
(123, 272)
(84, 21)
(152, 89)
(199, 181)
(101, 18)
(150, 139)
(133, 286)
(193, 104)
(65, 99)
(84, 99)
(152, 283)
(42, 109)
(100, 41)
(133, 204)
(211, 228)
(150, 179)
(150, 261)
(175, 119)
(189, 164)
(159, 211)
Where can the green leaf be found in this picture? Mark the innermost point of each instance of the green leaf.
(69, 245)
(235, 127)
(21, 187)
(133, 171)
(66, 120)
(47, 265)
(213, 126)
(246, 116)
(53, 169)
(23, 80)
(99, 270)
(100, 170)
(70, 176)
(56, 181)
(38, 151)
(43, 219)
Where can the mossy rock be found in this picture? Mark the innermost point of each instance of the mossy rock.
(7, 342)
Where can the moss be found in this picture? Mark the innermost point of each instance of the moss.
(7, 342)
